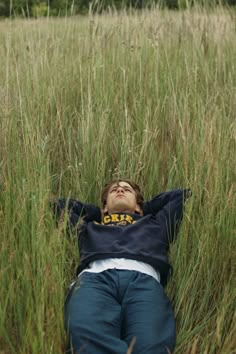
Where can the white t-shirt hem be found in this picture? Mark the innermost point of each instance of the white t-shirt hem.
(121, 263)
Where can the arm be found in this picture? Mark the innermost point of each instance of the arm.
(75, 210)
(154, 205)
(171, 213)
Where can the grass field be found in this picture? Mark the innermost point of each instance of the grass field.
(148, 95)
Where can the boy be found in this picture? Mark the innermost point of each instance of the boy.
(118, 298)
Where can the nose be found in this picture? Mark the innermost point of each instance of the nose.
(120, 189)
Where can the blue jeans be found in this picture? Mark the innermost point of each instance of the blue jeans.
(105, 311)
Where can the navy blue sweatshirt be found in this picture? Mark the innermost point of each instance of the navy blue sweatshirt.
(123, 235)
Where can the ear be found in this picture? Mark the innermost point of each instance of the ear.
(104, 209)
(139, 210)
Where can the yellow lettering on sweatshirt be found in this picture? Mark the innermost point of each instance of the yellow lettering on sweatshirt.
(121, 219)
(129, 219)
(106, 219)
(115, 218)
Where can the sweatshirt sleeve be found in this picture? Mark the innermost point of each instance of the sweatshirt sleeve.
(168, 209)
(75, 210)
(154, 205)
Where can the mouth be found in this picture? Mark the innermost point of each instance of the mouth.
(120, 196)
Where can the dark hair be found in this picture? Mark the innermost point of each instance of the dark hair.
(139, 197)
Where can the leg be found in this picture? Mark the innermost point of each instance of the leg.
(148, 316)
(92, 317)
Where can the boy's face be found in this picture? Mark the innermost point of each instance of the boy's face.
(121, 197)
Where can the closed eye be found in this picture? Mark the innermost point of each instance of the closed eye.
(113, 190)
(127, 189)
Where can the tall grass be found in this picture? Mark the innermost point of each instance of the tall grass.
(151, 96)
